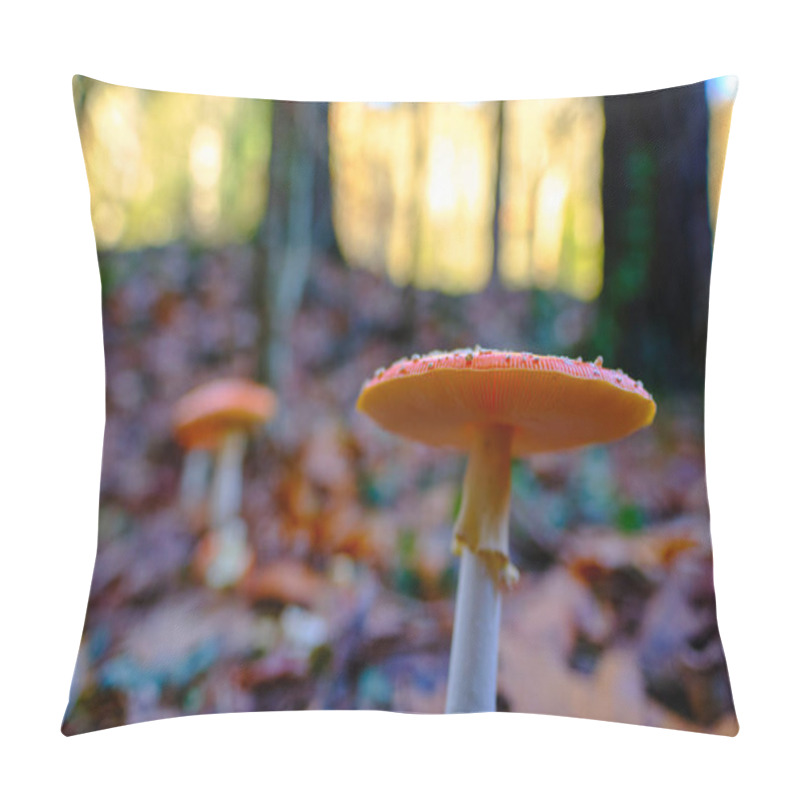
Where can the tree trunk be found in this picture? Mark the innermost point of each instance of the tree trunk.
(494, 278)
(297, 224)
(420, 172)
(653, 310)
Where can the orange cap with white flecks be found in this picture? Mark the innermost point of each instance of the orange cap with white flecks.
(551, 402)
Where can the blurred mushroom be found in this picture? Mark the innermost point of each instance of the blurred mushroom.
(215, 418)
(196, 470)
(223, 555)
(496, 405)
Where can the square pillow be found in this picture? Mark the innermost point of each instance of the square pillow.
(300, 511)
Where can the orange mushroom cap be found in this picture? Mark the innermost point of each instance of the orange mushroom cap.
(551, 402)
(203, 416)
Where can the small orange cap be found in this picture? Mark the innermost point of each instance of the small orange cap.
(203, 416)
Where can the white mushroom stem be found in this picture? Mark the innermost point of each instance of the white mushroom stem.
(226, 489)
(472, 678)
(194, 478)
(232, 556)
(481, 535)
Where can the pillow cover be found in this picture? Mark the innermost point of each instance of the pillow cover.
(276, 515)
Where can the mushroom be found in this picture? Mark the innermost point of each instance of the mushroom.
(216, 417)
(223, 556)
(496, 405)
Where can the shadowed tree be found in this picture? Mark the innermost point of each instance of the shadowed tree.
(653, 309)
(419, 171)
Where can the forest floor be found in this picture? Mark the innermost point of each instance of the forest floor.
(350, 601)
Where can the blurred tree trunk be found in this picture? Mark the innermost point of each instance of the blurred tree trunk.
(420, 173)
(494, 278)
(653, 309)
(81, 88)
(297, 224)
(324, 235)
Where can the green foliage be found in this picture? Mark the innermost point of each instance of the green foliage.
(523, 480)
(448, 580)
(374, 689)
(320, 659)
(457, 494)
(407, 544)
(630, 519)
(407, 581)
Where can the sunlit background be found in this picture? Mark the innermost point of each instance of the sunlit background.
(415, 186)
